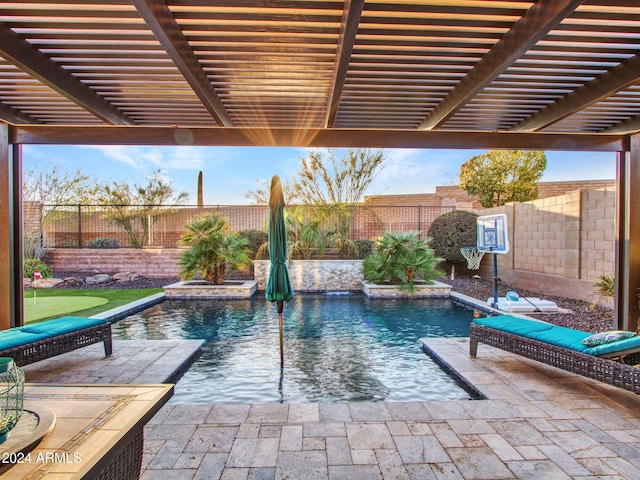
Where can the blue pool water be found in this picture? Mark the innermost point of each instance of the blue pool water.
(336, 348)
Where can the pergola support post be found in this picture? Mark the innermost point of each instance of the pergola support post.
(627, 255)
(11, 304)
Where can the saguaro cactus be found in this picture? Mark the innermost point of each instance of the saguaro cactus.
(200, 201)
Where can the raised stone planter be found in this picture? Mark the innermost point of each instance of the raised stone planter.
(422, 290)
(199, 290)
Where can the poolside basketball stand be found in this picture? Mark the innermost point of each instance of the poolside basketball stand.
(492, 238)
(494, 257)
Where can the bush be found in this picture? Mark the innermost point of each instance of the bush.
(355, 249)
(213, 250)
(603, 288)
(32, 245)
(103, 242)
(401, 259)
(31, 264)
(452, 231)
(256, 239)
(365, 248)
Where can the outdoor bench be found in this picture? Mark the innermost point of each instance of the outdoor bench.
(560, 347)
(38, 341)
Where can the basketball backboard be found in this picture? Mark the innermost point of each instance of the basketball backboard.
(492, 233)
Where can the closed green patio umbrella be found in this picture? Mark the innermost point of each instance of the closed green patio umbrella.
(278, 287)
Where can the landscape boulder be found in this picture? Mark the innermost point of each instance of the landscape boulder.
(99, 279)
(125, 277)
(46, 283)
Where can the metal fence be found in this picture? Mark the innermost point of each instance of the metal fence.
(82, 226)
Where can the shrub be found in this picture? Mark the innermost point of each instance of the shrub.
(256, 239)
(32, 245)
(603, 288)
(213, 250)
(401, 259)
(452, 231)
(104, 242)
(365, 248)
(31, 264)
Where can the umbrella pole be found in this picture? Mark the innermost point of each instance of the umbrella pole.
(280, 309)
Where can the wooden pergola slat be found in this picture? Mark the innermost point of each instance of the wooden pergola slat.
(614, 80)
(161, 22)
(534, 25)
(31, 60)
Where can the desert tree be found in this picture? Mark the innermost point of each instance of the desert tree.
(137, 207)
(327, 186)
(502, 176)
(58, 187)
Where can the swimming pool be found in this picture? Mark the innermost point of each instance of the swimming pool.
(336, 347)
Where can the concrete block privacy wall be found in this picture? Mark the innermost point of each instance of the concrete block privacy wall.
(559, 245)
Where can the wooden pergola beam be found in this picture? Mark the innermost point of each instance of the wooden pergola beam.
(350, 22)
(539, 20)
(214, 136)
(11, 115)
(161, 22)
(20, 53)
(11, 302)
(600, 88)
(631, 125)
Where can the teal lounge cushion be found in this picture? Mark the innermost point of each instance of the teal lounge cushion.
(619, 346)
(514, 325)
(60, 326)
(563, 337)
(14, 337)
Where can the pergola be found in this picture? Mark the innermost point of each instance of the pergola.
(513, 74)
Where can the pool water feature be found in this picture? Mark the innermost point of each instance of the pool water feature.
(337, 348)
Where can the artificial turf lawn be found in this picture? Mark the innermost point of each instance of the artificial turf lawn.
(48, 307)
(66, 302)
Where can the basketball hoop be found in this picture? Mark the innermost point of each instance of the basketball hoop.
(473, 256)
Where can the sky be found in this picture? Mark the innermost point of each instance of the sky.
(229, 173)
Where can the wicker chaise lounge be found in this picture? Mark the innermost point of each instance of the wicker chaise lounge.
(560, 347)
(32, 343)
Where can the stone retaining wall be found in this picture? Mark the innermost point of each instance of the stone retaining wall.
(316, 275)
(150, 262)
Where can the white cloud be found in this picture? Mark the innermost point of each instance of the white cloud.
(164, 158)
(412, 171)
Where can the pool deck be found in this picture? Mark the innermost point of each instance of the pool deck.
(536, 422)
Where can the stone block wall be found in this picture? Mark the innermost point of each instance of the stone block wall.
(151, 262)
(315, 275)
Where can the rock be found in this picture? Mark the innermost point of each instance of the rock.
(99, 279)
(46, 283)
(73, 281)
(125, 277)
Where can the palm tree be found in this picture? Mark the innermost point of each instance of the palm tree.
(401, 259)
(213, 250)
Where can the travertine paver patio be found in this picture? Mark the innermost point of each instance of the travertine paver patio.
(537, 422)
(132, 362)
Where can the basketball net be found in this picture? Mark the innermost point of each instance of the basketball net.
(473, 256)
